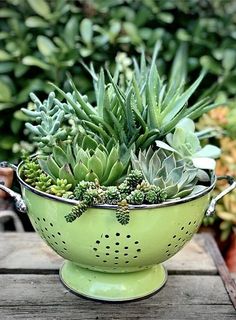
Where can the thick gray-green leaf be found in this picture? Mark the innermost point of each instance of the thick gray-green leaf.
(35, 22)
(41, 7)
(46, 46)
(86, 31)
(32, 61)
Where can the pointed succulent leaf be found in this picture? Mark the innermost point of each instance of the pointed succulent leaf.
(88, 143)
(52, 167)
(197, 189)
(111, 160)
(65, 173)
(185, 192)
(171, 191)
(96, 166)
(59, 156)
(115, 172)
(163, 145)
(169, 163)
(80, 171)
(82, 156)
(91, 176)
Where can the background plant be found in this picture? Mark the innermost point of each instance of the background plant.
(42, 40)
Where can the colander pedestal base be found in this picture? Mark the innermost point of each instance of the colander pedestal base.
(112, 286)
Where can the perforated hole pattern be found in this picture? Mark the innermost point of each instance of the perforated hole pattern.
(53, 238)
(185, 233)
(118, 253)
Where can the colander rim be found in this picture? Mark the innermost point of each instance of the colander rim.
(167, 203)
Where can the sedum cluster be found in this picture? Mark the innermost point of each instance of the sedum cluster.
(133, 190)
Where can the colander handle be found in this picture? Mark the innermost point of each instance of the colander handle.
(19, 202)
(232, 185)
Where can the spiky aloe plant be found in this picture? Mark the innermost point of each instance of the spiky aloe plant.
(165, 171)
(147, 108)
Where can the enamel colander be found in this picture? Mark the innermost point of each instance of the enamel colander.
(108, 261)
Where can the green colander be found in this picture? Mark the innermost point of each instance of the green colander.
(108, 261)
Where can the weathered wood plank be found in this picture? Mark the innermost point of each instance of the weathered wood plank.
(183, 297)
(27, 253)
(229, 283)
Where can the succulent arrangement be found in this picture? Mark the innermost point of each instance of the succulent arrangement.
(136, 145)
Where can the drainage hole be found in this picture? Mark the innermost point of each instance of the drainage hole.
(126, 248)
(116, 251)
(97, 241)
(63, 242)
(48, 237)
(169, 244)
(116, 262)
(138, 250)
(125, 254)
(136, 242)
(186, 232)
(126, 261)
(117, 243)
(167, 251)
(106, 236)
(117, 234)
(179, 239)
(46, 229)
(95, 249)
(65, 249)
(107, 247)
(44, 220)
(176, 246)
(174, 236)
(116, 257)
(107, 254)
(38, 219)
(104, 261)
(51, 224)
(56, 242)
(182, 228)
(189, 223)
(53, 236)
(128, 236)
(97, 256)
(59, 233)
(135, 257)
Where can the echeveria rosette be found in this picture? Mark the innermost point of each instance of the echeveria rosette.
(162, 169)
(89, 162)
(184, 142)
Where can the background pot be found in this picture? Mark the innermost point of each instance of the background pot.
(6, 175)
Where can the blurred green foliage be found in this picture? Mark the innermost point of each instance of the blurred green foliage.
(44, 40)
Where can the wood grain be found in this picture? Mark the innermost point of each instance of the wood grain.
(27, 253)
(183, 297)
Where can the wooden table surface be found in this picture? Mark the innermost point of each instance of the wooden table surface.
(30, 286)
